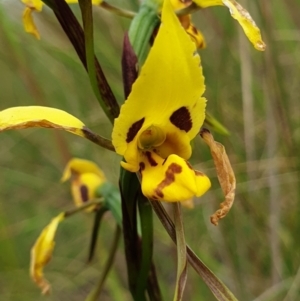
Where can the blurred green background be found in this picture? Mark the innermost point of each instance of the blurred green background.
(254, 250)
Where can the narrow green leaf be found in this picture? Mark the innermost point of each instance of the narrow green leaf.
(145, 211)
(94, 295)
(130, 188)
(216, 286)
(97, 222)
(214, 124)
(77, 37)
(181, 253)
(87, 19)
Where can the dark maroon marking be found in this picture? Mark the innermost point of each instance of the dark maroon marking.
(150, 159)
(204, 131)
(169, 178)
(84, 193)
(142, 166)
(159, 193)
(129, 65)
(135, 127)
(181, 118)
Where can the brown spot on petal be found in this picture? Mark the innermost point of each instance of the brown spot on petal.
(84, 193)
(142, 166)
(151, 161)
(181, 118)
(169, 178)
(133, 130)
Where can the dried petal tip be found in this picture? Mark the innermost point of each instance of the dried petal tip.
(41, 253)
(225, 175)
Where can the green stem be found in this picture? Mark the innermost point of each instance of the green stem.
(83, 207)
(97, 222)
(146, 218)
(181, 253)
(216, 286)
(118, 11)
(97, 139)
(94, 295)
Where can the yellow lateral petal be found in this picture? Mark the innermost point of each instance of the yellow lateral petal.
(28, 22)
(242, 16)
(171, 180)
(81, 166)
(43, 117)
(41, 253)
(168, 90)
(250, 28)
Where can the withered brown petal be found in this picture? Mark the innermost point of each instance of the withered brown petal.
(225, 175)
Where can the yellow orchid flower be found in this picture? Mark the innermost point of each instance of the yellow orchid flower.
(86, 178)
(41, 253)
(37, 5)
(185, 20)
(242, 16)
(163, 113)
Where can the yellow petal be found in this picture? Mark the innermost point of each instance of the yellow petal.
(242, 16)
(171, 180)
(97, 2)
(28, 22)
(41, 253)
(168, 91)
(79, 166)
(94, 2)
(207, 3)
(34, 4)
(84, 187)
(43, 117)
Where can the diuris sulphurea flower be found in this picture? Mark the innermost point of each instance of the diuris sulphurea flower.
(85, 177)
(162, 114)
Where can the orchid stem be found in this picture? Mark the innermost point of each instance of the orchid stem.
(94, 295)
(181, 253)
(118, 11)
(83, 207)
